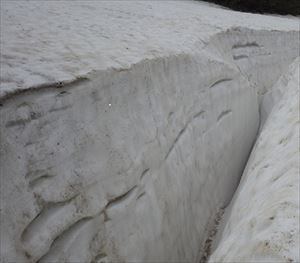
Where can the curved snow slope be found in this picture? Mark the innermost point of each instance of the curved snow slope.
(133, 154)
(263, 220)
(262, 56)
(131, 164)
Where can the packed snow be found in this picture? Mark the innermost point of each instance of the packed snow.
(263, 221)
(126, 125)
(50, 42)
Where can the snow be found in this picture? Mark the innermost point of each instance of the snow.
(263, 221)
(131, 156)
(125, 125)
(43, 43)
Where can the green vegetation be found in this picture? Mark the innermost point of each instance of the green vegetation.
(282, 7)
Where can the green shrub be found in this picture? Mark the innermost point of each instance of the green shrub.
(282, 7)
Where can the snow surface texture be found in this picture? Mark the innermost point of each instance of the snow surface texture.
(125, 126)
(47, 43)
(263, 221)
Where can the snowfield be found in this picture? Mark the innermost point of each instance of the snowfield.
(125, 127)
(47, 43)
